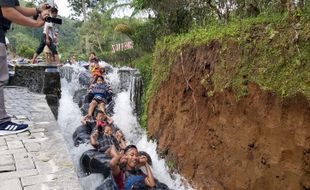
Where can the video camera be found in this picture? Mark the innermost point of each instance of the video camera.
(53, 20)
(50, 19)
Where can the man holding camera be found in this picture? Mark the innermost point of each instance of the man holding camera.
(11, 11)
(48, 37)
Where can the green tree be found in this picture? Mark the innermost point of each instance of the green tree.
(169, 15)
(83, 7)
(67, 37)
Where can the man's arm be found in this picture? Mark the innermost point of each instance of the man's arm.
(149, 180)
(15, 16)
(114, 161)
(109, 119)
(83, 121)
(28, 11)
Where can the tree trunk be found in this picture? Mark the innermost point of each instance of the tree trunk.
(301, 4)
(99, 44)
(290, 7)
(214, 8)
(84, 9)
(87, 48)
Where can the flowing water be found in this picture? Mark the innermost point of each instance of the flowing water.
(124, 117)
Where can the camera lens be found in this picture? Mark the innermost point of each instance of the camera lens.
(48, 19)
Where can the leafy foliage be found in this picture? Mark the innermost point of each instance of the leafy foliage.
(181, 15)
(145, 65)
(82, 7)
(67, 37)
(25, 51)
(268, 54)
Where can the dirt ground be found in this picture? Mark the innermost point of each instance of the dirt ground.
(259, 142)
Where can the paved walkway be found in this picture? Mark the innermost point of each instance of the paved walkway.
(36, 160)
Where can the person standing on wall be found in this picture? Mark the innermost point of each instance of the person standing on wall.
(47, 38)
(47, 55)
(49, 58)
(11, 11)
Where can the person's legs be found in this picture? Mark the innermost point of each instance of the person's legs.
(6, 126)
(57, 60)
(47, 55)
(52, 57)
(91, 108)
(33, 61)
(102, 107)
(3, 77)
(53, 49)
(47, 58)
(3, 115)
(39, 50)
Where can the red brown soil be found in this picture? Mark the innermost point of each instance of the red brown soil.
(259, 142)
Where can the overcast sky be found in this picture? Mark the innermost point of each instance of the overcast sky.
(63, 7)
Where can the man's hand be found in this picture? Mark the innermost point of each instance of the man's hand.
(95, 134)
(142, 160)
(44, 14)
(119, 136)
(17, 15)
(40, 20)
(44, 6)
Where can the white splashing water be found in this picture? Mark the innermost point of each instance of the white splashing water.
(69, 119)
(69, 116)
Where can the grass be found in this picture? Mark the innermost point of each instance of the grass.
(269, 56)
(263, 52)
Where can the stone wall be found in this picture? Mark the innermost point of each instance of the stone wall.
(40, 79)
(130, 79)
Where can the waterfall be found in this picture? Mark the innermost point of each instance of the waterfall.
(136, 91)
(127, 85)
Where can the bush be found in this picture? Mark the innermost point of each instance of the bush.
(121, 58)
(144, 64)
(25, 51)
(144, 36)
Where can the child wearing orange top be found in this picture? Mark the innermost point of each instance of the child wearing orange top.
(95, 69)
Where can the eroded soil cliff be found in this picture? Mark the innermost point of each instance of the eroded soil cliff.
(217, 141)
